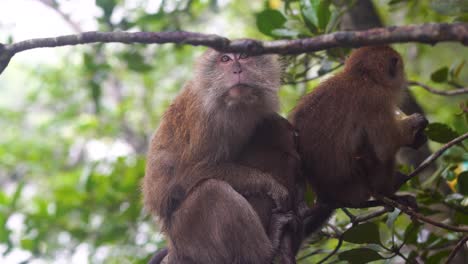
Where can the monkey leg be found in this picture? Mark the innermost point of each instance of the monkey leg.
(215, 224)
(287, 251)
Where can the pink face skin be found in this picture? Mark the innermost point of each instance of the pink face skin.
(231, 81)
(233, 65)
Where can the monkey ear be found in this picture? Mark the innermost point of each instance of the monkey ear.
(393, 67)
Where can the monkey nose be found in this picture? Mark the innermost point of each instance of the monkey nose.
(236, 69)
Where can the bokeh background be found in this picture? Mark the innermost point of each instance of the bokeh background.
(75, 123)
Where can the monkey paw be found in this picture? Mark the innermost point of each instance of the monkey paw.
(279, 223)
(419, 124)
(176, 195)
(281, 199)
(408, 201)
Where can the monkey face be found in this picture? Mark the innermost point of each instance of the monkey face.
(233, 80)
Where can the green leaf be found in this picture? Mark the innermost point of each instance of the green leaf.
(269, 20)
(440, 75)
(438, 257)
(107, 6)
(462, 18)
(16, 195)
(363, 233)
(440, 133)
(450, 7)
(285, 33)
(411, 233)
(392, 217)
(359, 255)
(316, 12)
(462, 183)
(393, 2)
(27, 244)
(456, 69)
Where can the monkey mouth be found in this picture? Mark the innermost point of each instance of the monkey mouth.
(241, 94)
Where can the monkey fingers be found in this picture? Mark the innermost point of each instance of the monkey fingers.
(278, 224)
(419, 123)
(175, 196)
(281, 198)
(406, 200)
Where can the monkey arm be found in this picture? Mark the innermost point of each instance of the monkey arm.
(244, 180)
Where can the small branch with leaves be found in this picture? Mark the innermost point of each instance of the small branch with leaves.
(425, 33)
(436, 155)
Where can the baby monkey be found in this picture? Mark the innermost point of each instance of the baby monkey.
(349, 132)
(195, 182)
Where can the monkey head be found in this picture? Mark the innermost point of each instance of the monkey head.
(237, 82)
(381, 64)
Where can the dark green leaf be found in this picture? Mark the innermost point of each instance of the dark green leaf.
(450, 7)
(107, 6)
(462, 183)
(392, 217)
(462, 18)
(269, 20)
(440, 75)
(411, 233)
(359, 255)
(393, 2)
(16, 195)
(316, 13)
(440, 133)
(438, 257)
(363, 233)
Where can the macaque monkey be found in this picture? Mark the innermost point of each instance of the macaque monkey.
(193, 182)
(349, 131)
(273, 150)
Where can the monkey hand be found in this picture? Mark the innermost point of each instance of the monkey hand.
(280, 196)
(419, 123)
(407, 200)
(279, 223)
(175, 196)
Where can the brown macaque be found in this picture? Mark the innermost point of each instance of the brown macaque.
(273, 150)
(349, 131)
(193, 181)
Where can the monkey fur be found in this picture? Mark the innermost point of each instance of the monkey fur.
(193, 182)
(349, 133)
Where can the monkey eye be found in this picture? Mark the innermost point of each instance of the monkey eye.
(243, 56)
(225, 58)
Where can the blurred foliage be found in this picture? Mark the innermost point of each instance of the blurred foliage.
(73, 142)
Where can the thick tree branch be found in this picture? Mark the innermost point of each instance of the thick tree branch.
(437, 154)
(425, 33)
(439, 92)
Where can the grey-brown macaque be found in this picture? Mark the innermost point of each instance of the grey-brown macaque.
(273, 150)
(349, 131)
(195, 181)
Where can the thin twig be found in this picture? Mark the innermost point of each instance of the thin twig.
(377, 213)
(338, 246)
(315, 77)
(439, 92)
(53, 5)
(430, 33)
(422, 218)
(436, 154)
(459, 245)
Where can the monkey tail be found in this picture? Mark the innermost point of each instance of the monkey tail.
(315, 217)
(158, 256)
